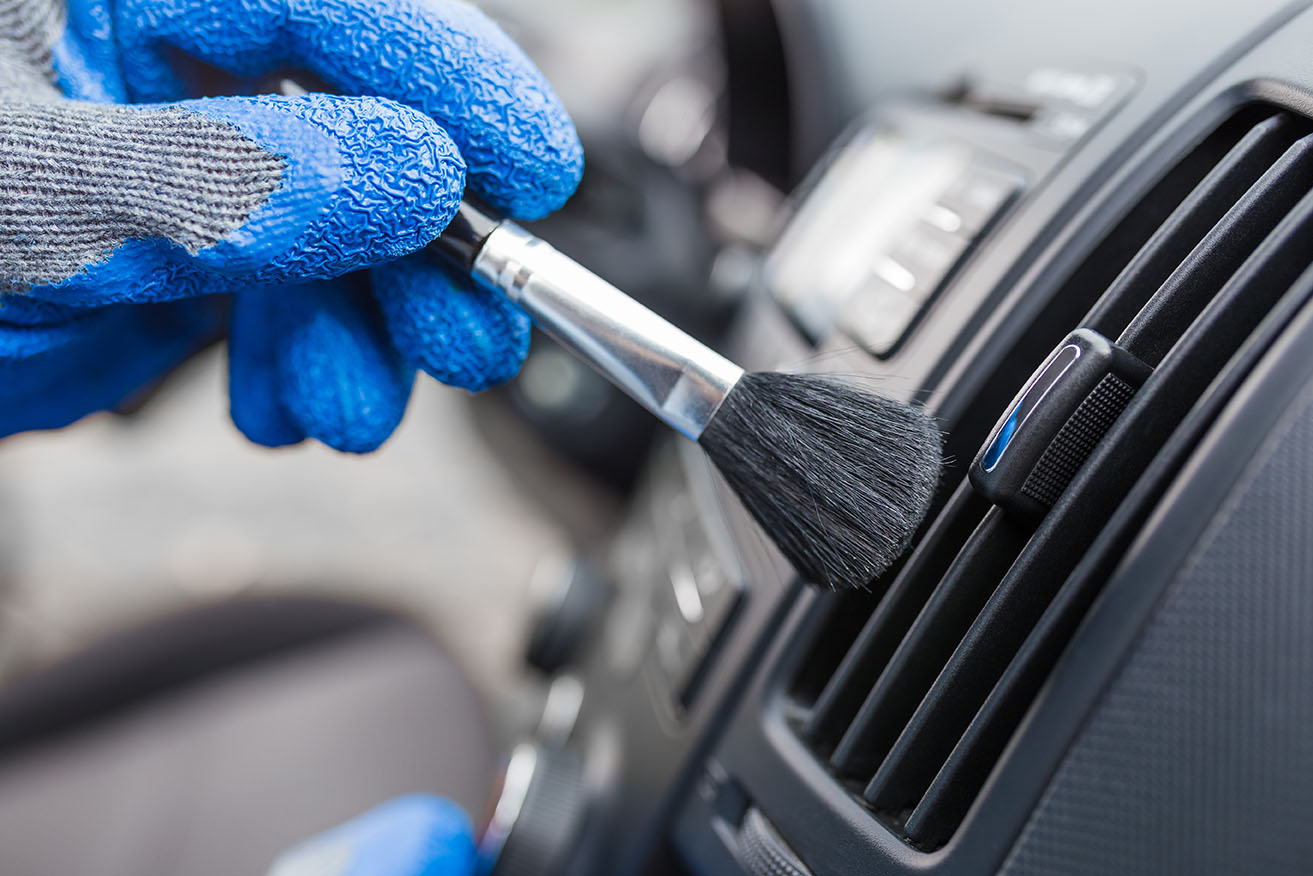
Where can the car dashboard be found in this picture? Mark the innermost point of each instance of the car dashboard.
(1082, 238)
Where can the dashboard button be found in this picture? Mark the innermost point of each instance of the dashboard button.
(878, 314)
(978, 195)
(926, 254)
(675, 650)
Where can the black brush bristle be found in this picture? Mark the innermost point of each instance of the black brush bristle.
(839, 478)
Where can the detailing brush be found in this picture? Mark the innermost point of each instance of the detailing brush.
(838, 478)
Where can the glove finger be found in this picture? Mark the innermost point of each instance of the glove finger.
(155, 203)
(338, 376)
(52, 375)
(255, 403)
(417, 835)
(442, 57)
(85, 56)
(463, 336)
(32, 327)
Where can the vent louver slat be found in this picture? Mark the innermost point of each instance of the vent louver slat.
(919, 709)
(838, 703)
(926, 646)
(1196, 215)
(1192, 285)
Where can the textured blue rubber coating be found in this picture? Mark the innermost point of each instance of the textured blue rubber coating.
(418, 835)
(53, 373)
(462, 335)
(446, 59)
(367, 180)
(86, 57)
(342, 381)
(255, 391)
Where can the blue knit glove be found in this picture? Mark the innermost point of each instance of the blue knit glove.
(411, 836)
(124, 212)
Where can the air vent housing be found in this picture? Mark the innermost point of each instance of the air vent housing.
(909, 699)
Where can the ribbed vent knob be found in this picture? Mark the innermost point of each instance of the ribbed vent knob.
(762, 851)
(540, 834)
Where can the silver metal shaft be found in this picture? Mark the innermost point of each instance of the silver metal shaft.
(677, 378)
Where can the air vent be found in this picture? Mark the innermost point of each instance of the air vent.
(910, 699)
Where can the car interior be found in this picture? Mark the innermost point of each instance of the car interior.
(1080, 236)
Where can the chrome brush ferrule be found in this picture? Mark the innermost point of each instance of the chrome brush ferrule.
(668, 372)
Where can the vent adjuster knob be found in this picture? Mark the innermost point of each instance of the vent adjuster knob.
(1054, 423)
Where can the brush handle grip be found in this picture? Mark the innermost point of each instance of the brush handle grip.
(665, 370)
(674, 376)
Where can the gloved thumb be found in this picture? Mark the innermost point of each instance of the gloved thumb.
(147, 203)
(419, 835)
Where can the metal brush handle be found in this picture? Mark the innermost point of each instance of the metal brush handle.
(673, 375)
(668, 372)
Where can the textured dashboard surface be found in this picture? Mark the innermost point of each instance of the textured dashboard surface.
(1186, 763)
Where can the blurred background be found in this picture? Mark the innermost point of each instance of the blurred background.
(130, 515)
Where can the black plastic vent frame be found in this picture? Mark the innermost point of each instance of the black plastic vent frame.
(910, 699)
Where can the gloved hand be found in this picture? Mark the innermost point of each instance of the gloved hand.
(418, 835)
(117, 221)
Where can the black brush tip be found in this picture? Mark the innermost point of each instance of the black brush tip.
(839, 478)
